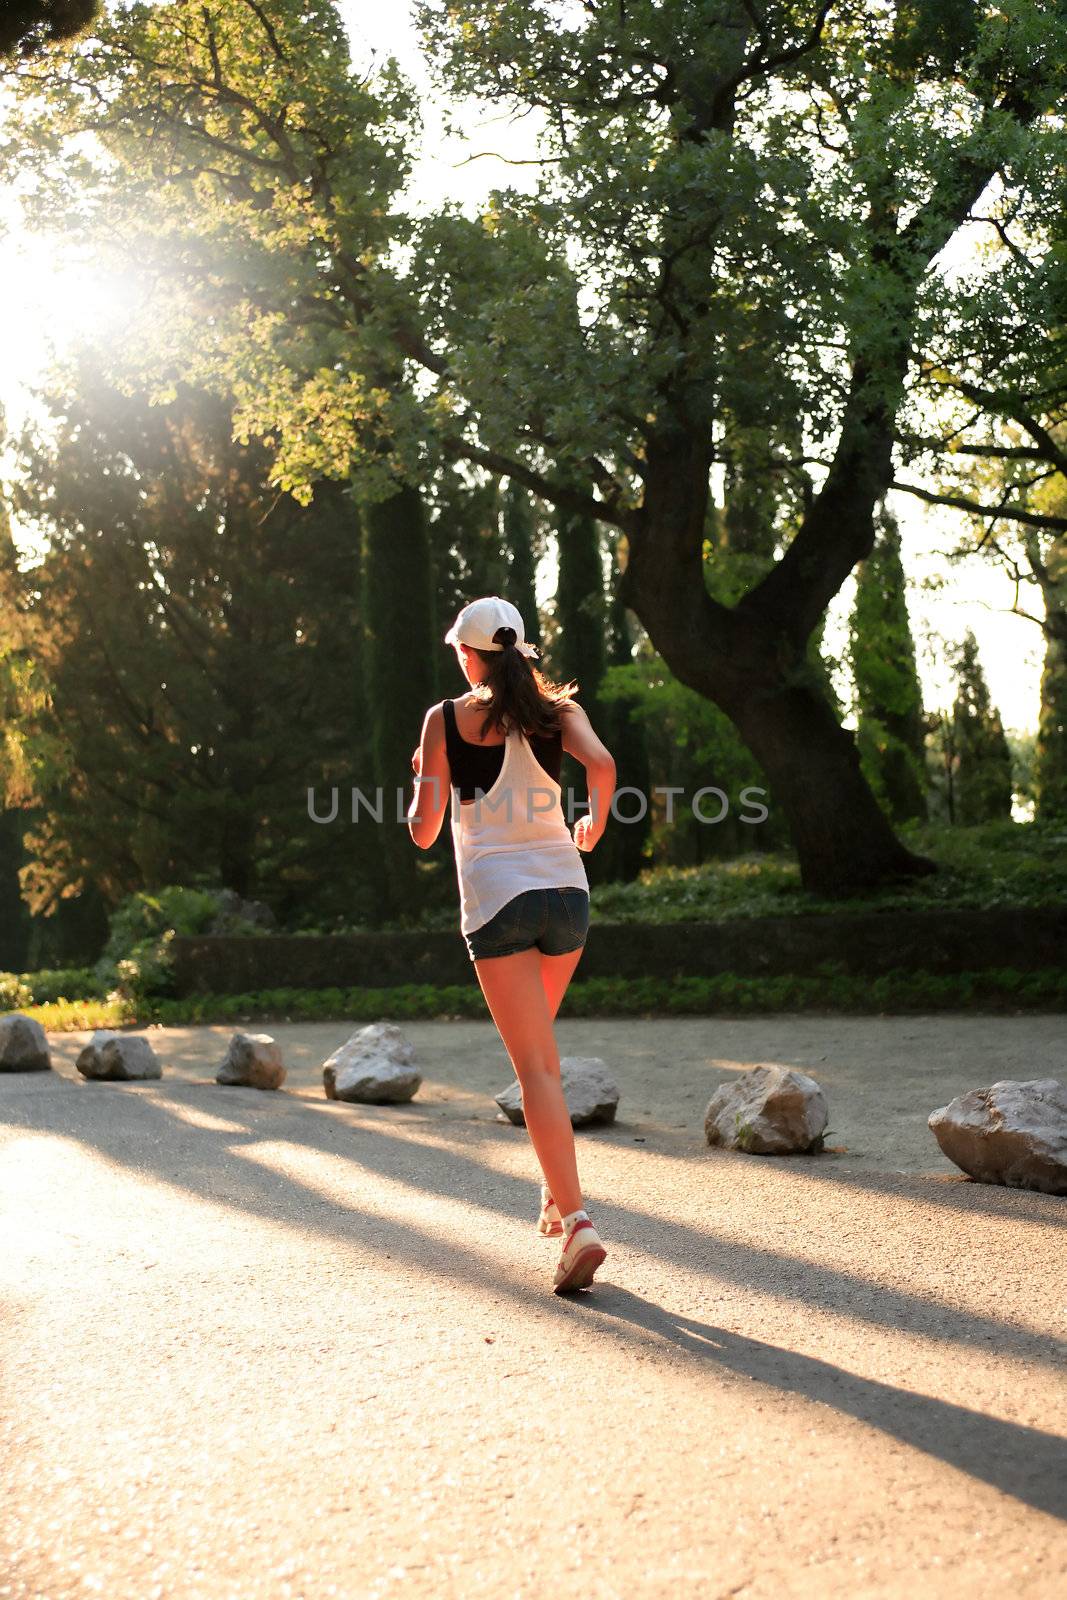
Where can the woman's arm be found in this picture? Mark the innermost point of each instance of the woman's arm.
(433, 780)
(581, 742)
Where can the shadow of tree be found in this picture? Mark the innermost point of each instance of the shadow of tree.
(1019, 1460)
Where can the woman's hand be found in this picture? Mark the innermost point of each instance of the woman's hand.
(416, 760)
(587, 833)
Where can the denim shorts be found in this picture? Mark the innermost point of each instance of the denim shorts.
(555, 921)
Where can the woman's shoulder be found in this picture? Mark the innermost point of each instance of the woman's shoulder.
(435, 719)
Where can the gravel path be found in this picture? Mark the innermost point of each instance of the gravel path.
(270, 1347)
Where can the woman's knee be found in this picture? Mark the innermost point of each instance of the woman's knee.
(536, 1068)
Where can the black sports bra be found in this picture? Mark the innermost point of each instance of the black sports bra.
(475, 768)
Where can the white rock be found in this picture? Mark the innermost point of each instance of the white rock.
(375, 1066)
(591, 1093)
(125, 1056)
(23, 1044)
(1013, 1133)
(253, 1060)
(769, 1111)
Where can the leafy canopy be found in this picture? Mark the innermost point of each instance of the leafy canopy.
(702, 229)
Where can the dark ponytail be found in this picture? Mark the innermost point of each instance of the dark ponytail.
(515, 694)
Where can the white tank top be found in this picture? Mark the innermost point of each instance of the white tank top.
(512, 838)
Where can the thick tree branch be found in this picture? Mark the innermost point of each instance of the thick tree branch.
(1028, 519)
(838, 529)
(557, 494)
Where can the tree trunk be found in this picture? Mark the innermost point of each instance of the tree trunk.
(843, 840)
(754, 669)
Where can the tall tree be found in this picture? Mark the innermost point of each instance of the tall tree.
(982, 779)
(1051, 753)
(402, 671)
(888, 693)
(793, 174)
(519, 529)
(578, 651)
(624, 846)
(466, 544)
(193, 641)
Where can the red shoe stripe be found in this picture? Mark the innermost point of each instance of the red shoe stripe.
(581, 1271)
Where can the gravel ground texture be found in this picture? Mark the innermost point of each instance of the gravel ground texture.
(265, 1346)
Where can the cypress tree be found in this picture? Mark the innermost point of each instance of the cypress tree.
(1051, 758)
(888, 693)
(579, 651)
(466, 551)
(623, 731)
(982, 783)
(401, 655)
(518, 531)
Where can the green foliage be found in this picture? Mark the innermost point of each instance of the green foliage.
(189, 649)
(519, 529)
(53, 984)
(70, 1016)
(982, 779)
(724, 995)
(742, 1132)
(623, 851)
(888, 694)
(136, 959)
(578, 650)
(15, 994)
(1050, 756)
(241, 141)
(401, 671)
(742, 218)
(690, 744)
(29, 26)
(996, 864)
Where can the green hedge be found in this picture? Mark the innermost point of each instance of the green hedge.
(998, 988)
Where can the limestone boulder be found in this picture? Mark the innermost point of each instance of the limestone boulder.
(1014, 1132)
(23, 1044)
(253, 1061)
(768, 1111)
(119, 1057)
(591, 1093)
(376, 1066)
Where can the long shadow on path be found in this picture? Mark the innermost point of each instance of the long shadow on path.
(1020, 1460)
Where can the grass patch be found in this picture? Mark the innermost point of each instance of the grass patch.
(982, 868)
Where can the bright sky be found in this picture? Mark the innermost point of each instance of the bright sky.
(50, 303)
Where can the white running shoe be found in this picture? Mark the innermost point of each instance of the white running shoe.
(582, 1254)
(549, 1223)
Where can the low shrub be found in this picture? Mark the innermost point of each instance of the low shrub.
(15, 993)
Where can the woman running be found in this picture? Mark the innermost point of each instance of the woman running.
(495, 756)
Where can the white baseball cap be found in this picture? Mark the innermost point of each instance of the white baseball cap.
(477, 623)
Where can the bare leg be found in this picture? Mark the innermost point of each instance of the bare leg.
(515, 993)
(556, 974)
